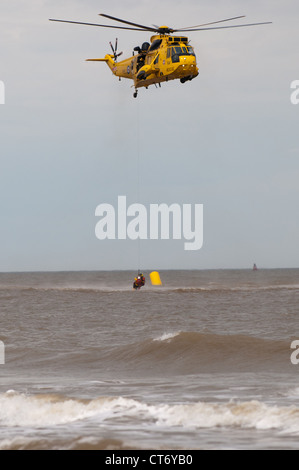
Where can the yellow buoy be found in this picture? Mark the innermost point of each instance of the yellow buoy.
(155, 279)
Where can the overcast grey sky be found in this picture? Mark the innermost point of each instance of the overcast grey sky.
(69, 132)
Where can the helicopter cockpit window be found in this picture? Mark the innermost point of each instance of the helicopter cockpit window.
(178, 51)
(190, 50)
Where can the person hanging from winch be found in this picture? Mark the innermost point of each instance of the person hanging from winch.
(142, 51)
(139, 281)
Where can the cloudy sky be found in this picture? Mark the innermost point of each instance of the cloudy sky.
(70, 133)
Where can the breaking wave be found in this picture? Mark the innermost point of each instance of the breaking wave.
(52, 412)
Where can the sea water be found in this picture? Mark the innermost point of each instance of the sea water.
(201, 362)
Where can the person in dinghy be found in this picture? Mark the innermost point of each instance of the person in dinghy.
(139, 281)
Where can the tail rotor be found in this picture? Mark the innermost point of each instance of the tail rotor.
(114, 50)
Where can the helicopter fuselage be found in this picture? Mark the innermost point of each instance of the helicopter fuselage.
(166, 58)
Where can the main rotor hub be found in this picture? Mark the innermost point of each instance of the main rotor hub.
(165, 30)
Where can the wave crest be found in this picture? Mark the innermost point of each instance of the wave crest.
(51, 410)
(193, 352)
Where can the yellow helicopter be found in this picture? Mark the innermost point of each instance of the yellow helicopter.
(166, 57)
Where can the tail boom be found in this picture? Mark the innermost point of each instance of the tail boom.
(122, 69)
(108, 59)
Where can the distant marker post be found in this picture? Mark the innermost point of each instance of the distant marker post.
(155, 279)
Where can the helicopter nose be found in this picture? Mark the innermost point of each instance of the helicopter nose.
(188, 60)
(188, 63)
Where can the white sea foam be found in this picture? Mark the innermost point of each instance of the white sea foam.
(250, 415)
(167, 336)
(48, 411)
(21, 410)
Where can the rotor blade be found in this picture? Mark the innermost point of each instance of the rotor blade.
(223, 27)
(214, 22)
(102, 25)
(116, 42)
(128, 22)
(112, 47)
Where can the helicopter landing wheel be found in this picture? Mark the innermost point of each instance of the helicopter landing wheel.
(135, 94)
